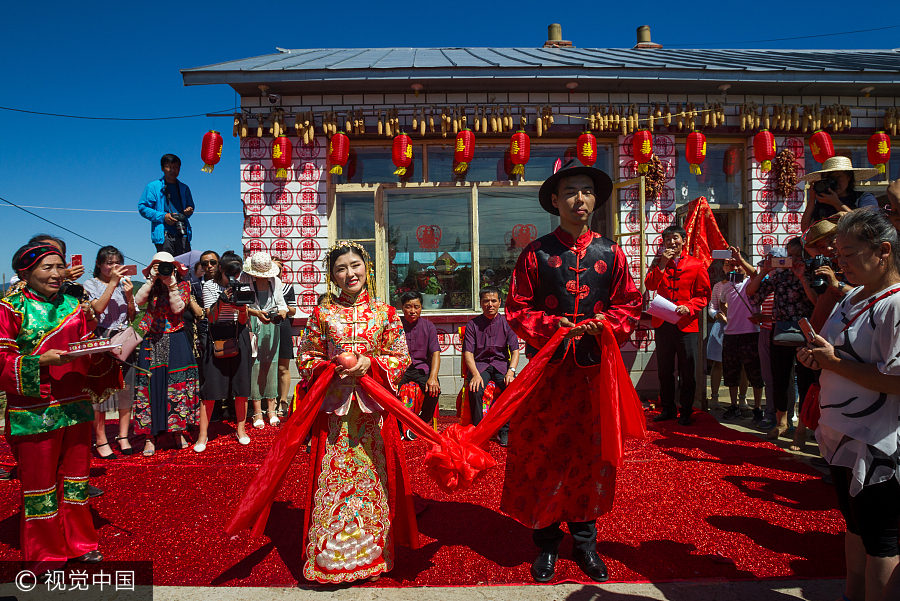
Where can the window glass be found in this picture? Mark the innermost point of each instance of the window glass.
(356, 219)
(509, 219)
(430, 246)
(858, 155)
(374, 164)
(721, 177)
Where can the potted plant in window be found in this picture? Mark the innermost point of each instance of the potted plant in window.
(432, 294)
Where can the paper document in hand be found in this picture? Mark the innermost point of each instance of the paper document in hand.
(664, 309)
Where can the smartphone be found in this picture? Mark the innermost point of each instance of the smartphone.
(130, 269)
(782, 262)
(807, 330)
(76, 261)
(721, 254)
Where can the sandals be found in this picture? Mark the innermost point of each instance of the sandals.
(112, 454)
(775, 432)
(125, 451)
(258, 423)
(273, 418)
(149, 448)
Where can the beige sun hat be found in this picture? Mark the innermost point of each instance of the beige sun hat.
(260, 265)
(840, 163)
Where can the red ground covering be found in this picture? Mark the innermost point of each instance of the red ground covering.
(692, 503)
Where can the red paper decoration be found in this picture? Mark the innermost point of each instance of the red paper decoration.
(695, 151)
(642, 147)
(586, 149)
(519, 151)
(523, 234)
(879, 150)
(402, 153)
(338, 152)
(428, 236)
(211, 150)
(821, 146)
(764, 149)
(730, 162)
(465, 150)
(282, 151)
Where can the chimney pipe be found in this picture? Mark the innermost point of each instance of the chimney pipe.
(643, 38)
(554, 37)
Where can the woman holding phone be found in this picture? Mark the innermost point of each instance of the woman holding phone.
(857, 351)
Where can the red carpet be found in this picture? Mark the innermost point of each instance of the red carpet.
(693, 503)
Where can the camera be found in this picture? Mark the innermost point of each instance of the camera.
(165, 269)
(735, 277)
(73, 289)
(823, 186)
(817, 282)
(273, 316)
(180, 219)
(241, 293)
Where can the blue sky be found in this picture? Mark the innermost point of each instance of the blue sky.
(114, 59)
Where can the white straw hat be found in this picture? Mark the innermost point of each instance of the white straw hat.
(840, 163)
(260, 265)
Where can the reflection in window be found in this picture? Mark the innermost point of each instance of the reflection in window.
(491, 165)
(374, 164)
(857, 154)
(430, 247)
(356, 219)
(509, 219)
(721, 177)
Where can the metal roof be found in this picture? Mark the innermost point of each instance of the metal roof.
(352, 67)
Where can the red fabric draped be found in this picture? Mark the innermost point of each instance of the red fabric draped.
(703, 234)
(253, 509)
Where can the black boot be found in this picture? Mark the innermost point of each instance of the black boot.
(591, 564)
(544, 566)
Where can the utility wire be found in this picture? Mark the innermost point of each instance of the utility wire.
(62, 227)
(799, 37)
(120, 210)
(18, 110)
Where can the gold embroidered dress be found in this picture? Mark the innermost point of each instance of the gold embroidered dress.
(359, 503)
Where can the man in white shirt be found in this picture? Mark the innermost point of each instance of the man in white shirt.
(740, 346)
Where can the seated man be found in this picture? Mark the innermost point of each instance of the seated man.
(490, 353)
(425, 352)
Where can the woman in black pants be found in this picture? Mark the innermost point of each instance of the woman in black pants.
(286, 346)
(793, 300)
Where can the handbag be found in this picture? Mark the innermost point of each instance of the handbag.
(227, 348)
(128, 339)
(787, 333)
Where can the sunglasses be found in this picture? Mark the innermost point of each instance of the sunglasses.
(208, 263)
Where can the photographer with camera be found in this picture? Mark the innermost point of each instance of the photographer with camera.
(226, 354)
(267, 312)
(167, 203)
(832, 190)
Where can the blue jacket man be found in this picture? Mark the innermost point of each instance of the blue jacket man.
(162, 202)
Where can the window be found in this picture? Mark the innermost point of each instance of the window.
(374, 164)
(858, 155)
(721, 180)
(356, 219)
(429, 240)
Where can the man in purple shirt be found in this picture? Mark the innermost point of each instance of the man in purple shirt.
(490, 353)
(425, 352)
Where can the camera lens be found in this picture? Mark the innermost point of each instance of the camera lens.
(165, 269)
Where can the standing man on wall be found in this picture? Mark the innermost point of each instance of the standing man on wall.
(683, 280)
(565, 445)
(167, 204)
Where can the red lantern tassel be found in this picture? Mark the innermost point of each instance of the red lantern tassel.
(207, 168)
(461, 168)
(765, 166)
(401, 171)
(695, 169)
(518, 170)
(336, 170)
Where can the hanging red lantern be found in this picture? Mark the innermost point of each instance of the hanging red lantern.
(642, 147)
(211, 150)
(764, 149)
(282, 150)
(338, 152)
(402, 153)
(879, 150)
(586, 149)
(465, 150)
(730, 162)
(695, 151)
(519, 151)
(821, 146)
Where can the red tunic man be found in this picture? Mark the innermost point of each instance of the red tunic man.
(569, 278)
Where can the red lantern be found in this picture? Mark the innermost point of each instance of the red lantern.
(519, 151)
(586, 149)
(730, 162)
(282, 150)
(465, 150)
(879, 150)
(821, 146)
(211, 150)
(338, 152)
(402, 153)
(695, 151)
(642, 147)
(764, 149)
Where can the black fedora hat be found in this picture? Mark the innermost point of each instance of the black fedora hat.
(602, 185)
